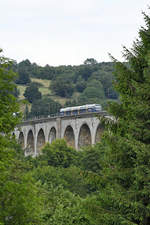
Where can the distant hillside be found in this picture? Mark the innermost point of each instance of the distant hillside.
(90, 82)
(44, 89)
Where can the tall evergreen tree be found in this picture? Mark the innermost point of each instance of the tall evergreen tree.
(125, 183)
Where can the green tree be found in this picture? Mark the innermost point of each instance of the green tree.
(80, 84)
(90, 61)
(85, 71)
(20, 202)
(90, 159)
(58, 154)
(24, 69)
(16, 92)
(93, 93)
(18, 192)
(106, 78)
(47, 72)
(62, 87)
(72, 178)
(44, 107)
(8, 103)
(32, 93)
(63, 207)
(124, 193)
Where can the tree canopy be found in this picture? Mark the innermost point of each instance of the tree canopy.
(18, 192)
(44, 107)
(8, 102)
(32, 93)
(124, 190)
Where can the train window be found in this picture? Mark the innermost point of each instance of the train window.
(91, 110)
(68, 113)
(61, 113)
(82, 110)
(74, 112)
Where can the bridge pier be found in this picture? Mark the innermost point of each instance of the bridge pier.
(58, 124)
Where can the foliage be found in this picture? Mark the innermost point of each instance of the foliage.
(46, 72)
(58, 154)
(124, 193)
(94, 92)
(23, 70)
(32, 93)
(18, 192)
(16, 92)
(64, 185)
(8, 103)
(71, 178)
(62, 87)
(44, 107)
(106, 78)
(80, 84)
(90, 159)
(37, 84)
(63, 207)
(90, 61)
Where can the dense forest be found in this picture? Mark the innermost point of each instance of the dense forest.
(88, 83)
(106, 184)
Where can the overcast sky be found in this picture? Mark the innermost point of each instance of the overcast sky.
(66, 32)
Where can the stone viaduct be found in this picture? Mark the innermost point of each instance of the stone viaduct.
(78, 131)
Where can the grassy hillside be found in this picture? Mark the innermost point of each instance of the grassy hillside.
(45, 85)
(21, 91)
(44, 89)
(67, 85)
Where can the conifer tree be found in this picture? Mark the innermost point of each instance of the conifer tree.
(124, 196)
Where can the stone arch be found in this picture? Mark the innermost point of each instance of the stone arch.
(99, 132)
(30, 143)
(40, 140)
(69, 136)
(84, 138)
(52, 135)
(21, 139)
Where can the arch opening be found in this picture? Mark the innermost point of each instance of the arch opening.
(69, 136)
(21, 139)
(84, 136)
(52, 135)
(30, 143)
(40, 140)
(99, 133)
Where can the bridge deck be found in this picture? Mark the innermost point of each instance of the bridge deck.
(54, 117)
